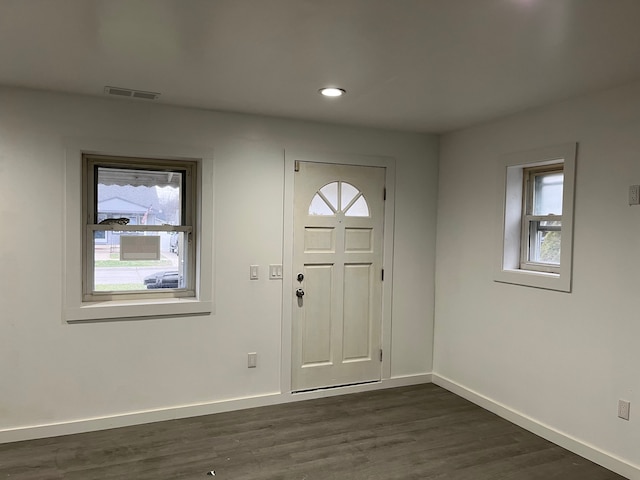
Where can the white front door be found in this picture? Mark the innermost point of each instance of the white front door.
(337, 277)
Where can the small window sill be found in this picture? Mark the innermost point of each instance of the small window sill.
(532, 278)
(137, 309)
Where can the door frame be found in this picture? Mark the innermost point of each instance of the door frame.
(388, 163)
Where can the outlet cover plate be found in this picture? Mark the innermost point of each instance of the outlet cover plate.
(252, 360)
(623, 409)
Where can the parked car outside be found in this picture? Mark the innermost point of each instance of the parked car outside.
(164, 279)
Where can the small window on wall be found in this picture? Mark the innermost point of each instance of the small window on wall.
(139, 234)
(536, 215)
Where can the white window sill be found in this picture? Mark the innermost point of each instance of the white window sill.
(532, 278)
(129, 309)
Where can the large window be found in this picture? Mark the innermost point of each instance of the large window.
(536, 214)
(138, 239)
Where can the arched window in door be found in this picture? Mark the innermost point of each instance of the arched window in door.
(339, 197)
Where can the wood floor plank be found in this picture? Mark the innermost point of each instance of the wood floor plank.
(418, 432)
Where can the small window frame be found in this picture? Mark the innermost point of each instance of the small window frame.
(340, 208)
(530, 221)
(188, 225)
(511, 172)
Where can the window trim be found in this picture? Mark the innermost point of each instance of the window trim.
(74, 308)
(511, 174)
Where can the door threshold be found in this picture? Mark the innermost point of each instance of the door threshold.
(332, 387)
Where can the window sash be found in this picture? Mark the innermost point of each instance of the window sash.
(187, 200)
(532, 244)
(531, 224)
(89, 288)
(140, 228)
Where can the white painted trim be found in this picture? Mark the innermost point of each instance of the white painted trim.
(510, 211)
(74, 309)
(132, 309)
(365, 387)
(287, 276)
(575, 445)
(287, 255)
(134, 418)
(387, 263)
(193, 410)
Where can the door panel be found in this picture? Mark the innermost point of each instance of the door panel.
(338, 235)
(357, 316)
(317, 315)
(358, 240)
(319, 239)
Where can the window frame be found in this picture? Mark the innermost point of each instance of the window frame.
(529, 218)
(74, 309)
(90, 165)
(512, 169)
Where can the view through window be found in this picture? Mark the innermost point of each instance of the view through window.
(139, 227)
(542, 225)
(339, 197)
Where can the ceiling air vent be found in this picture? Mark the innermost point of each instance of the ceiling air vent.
(127, 92)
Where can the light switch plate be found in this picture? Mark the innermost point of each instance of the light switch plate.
(253, 272)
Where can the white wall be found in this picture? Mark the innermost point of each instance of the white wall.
(54, 372)
(561, 360)
(564, 364)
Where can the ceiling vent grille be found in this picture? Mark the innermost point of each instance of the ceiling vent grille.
(127, 92)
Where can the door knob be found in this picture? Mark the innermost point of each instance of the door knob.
(299, 293)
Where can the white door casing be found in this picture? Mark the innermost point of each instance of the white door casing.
(338, 248)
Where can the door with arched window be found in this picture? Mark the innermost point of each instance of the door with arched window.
(337, 261)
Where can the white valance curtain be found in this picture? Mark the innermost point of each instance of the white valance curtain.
(138, 178)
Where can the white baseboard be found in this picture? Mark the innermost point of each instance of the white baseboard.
(194, 410)
(572, 444)
(133, 418)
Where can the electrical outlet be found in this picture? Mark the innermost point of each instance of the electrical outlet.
(634, 195)
(252, 360)
(623, 409)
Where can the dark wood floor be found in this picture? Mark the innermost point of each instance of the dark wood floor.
(418, 432)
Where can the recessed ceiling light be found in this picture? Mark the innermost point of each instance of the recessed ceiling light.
(332, 92)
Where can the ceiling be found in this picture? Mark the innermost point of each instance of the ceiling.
(414, 65)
